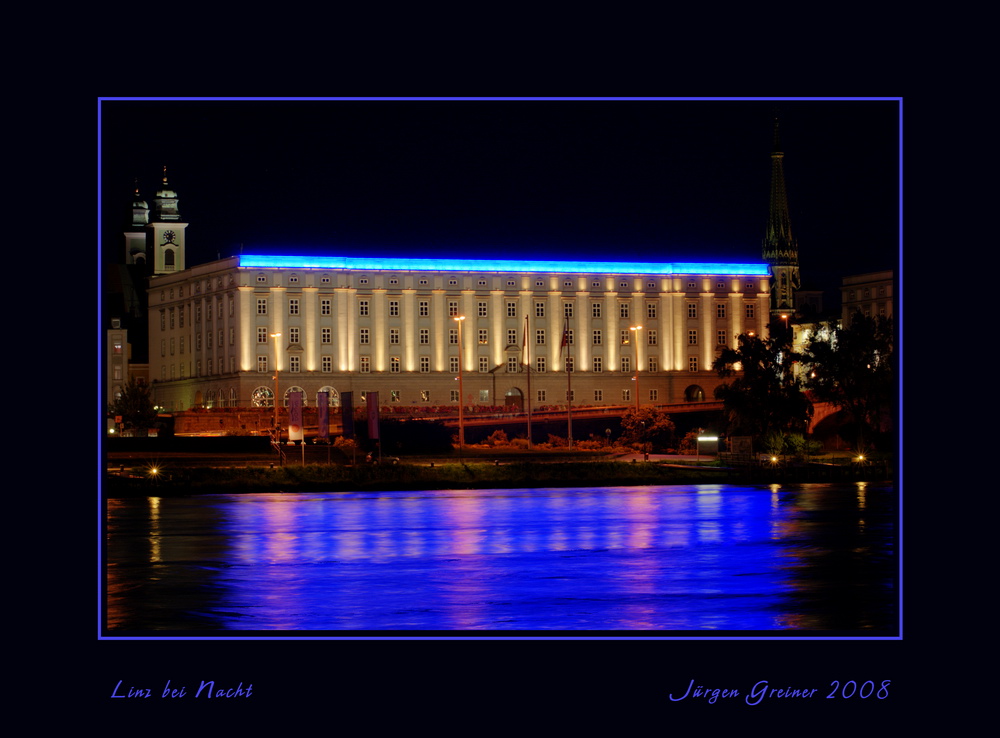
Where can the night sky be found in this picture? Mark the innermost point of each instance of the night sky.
(657, 180)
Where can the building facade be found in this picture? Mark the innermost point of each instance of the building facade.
(408, 328)
(871, 294)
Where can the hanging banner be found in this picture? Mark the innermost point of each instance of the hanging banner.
(347, 413)
(295, 416)
(372, 400)
(322, 416)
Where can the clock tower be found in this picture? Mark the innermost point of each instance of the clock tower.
(165, 232)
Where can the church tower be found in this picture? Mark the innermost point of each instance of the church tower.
(135, 236)
(781, 251)
(165, 232)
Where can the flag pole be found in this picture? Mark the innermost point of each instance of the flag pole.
(527, 365)
(569, 387)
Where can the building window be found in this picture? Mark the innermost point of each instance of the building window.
(540, 364)
(626, 339)
(567, 310)
(425, 336)
(293, 363)
(595, 310)
(720, 310)
(423, 281)
(364, 335)
(598, 395)
(326, 335)
(692, 310)
(540, 396)
(423, 308)
(326, 364)
(626, 364)
(261, 279)
(453, 364)
(650, 309)
(654, 395)
(363, 280)
(293, 335)
(483, 310)
(598, 366)
(511, 283)
(325, 307)
(393, 395)
(597, 338)
(651, 338)
(693, 363)
(366, 364)
(512, 364)
(511, 336)
(692, 338)
(261, 306)
(454, 395)
(324, 280)
(482, 282)
(623, 310)
(453, 282)
(262, 363)
(425, 395)
(721, 338)
(394, 335)
(539, 309)
(484, 336)
(626, 395)
(425, 364)
(569, 363)
(749, 310)
(393, 308)
(540, 337)
(362, 307)
(293, 307)
(453, 336)
(452, 308)
(511, 309)
(484, 365)
(261, 335)
(394, 364)
(653, 364)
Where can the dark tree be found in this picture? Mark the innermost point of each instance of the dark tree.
(135, 405)
(763, 396)
(854, 368)
(648, 425)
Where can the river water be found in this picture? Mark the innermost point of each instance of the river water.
(815, 560)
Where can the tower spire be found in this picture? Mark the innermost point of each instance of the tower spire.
(781, 250)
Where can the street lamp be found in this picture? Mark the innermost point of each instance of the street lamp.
(461, 394)
(636, 328)
(277, 427)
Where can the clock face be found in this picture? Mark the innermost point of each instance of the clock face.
(169, 236)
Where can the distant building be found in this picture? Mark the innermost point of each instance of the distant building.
(871, 294)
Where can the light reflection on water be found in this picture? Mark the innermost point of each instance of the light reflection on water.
(679, 558)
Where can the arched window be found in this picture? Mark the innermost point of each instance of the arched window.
(294, 389)
(262, 397)
(332, 396)
(694, 393)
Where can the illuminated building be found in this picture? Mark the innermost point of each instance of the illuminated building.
(387, 324)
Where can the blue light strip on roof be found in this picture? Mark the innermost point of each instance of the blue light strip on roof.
(402, 264)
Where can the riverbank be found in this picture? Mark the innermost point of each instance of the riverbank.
(471, 475)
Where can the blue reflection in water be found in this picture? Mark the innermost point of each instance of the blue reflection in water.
(677, 558)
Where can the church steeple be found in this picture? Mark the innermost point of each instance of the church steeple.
(781, 251)
(165, 232)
